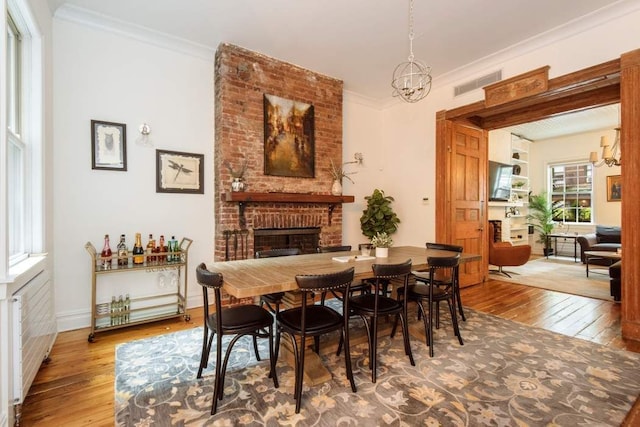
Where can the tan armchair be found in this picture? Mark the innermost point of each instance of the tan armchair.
(504, 254)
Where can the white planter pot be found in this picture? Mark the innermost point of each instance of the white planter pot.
(336, 188)
(382, 252)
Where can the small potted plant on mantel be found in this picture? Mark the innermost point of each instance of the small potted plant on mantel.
(382, 242)
(337, 173)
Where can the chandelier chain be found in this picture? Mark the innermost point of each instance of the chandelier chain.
(411, 30)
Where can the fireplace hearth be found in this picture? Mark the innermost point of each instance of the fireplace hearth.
(304, 238)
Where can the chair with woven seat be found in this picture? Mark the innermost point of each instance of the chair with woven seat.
(437, 285)
(273, 301)
(239, 321)
(450, 248)
(313, 320)
(370, 307)
(505, 254)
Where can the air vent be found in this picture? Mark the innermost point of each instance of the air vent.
(477, 83)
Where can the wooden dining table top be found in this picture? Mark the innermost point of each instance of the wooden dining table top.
(254, 277)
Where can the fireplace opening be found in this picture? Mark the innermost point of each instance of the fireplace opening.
(306, 239)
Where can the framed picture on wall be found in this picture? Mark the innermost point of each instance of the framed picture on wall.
(108, 145)
(289, 144)
(614, 188)
(178, 172)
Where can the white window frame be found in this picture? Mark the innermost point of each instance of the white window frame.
(550, 191)
(27, 234)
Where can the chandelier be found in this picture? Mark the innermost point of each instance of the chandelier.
(411, 79)
(611, 155)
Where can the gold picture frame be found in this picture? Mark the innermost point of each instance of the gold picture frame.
(614, 188)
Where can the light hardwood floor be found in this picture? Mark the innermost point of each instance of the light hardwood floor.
(76, 387)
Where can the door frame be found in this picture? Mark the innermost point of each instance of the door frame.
(613, 81)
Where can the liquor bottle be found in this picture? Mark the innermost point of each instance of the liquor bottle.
(138, 251)
(106, 254)
(173, 243)
(112, 310)
(161, 248)
(120, 310)
(123, 252)
(176, 250)
(127, 307)
(151, 245)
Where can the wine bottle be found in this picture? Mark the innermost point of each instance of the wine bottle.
(112, 310)
(120, 310)
(123, 251)
(151, 245)
(138, 251)
(106, 254)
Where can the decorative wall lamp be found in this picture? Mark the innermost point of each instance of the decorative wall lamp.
(144, 139)
(411, 79)
(611, 155)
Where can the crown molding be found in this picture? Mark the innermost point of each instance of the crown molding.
(567, 30)
(98, 21)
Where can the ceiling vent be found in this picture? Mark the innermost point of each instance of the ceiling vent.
(477, 83)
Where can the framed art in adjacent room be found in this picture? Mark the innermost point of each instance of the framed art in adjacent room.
(108, 145)
(289, 144)
(178, 172)
(614, 188)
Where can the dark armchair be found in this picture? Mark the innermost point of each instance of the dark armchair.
(504, 254)
(605, 238)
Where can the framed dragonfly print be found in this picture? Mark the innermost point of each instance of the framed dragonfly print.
(178, 172)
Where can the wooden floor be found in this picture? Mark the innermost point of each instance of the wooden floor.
(76, 387)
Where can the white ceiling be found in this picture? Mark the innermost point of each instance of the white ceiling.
(357, 41)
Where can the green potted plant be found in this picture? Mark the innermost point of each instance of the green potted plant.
(379, 216)
(382, 242)
(541, 214)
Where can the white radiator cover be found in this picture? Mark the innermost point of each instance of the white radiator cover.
(33, 331)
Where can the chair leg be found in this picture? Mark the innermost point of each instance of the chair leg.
(459, 302)
(347, 355)
(406, 338)
(255, 347)
(218, 387)
(206, 346)
(430, 335)
(299, 373)
(373, 348)
(272, 359)
(454, 320)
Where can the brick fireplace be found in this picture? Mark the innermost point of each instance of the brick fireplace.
(242, 78)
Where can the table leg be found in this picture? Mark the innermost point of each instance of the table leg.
(575, 249)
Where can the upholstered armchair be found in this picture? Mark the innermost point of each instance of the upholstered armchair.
(504, 254)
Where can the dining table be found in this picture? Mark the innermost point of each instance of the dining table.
(260, 276)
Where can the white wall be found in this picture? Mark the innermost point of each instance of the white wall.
(105, 76)
(576, 148)
(411, 168)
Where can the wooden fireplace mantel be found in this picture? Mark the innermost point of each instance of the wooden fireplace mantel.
(243, 197)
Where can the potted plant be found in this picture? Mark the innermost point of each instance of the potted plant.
(337, 173)
(541, 214)
(379, 216)
(382, 242)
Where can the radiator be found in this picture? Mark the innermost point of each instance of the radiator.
(33, 332)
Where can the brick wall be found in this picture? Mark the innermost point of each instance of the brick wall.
(242, 78)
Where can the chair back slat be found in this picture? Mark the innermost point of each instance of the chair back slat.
(326, 249)
(325, 282)
(444, 247)
(272, 253)
(391, 271)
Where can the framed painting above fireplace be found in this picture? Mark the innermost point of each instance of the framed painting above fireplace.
(289, 144)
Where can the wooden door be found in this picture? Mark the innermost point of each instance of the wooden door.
(461, 159)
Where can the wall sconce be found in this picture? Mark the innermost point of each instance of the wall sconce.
(144, 139)
(358, 159)
(611, 155)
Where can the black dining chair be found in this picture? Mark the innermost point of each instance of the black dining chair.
(360, 287)
(450, 248)
(438, 284)
(313, 320)
(273, 300)
(370, 307)
(240, 320)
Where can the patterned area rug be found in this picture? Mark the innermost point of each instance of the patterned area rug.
(506, 374)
